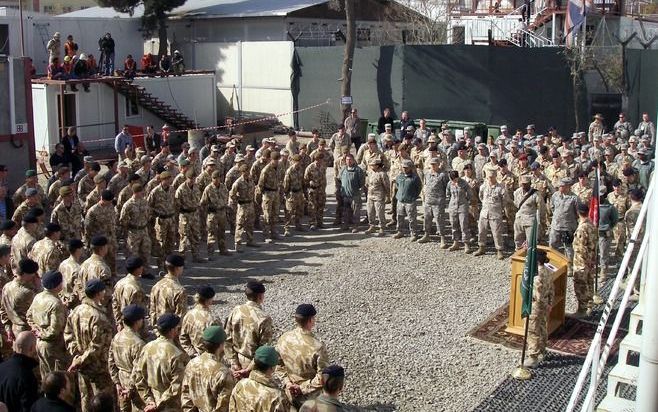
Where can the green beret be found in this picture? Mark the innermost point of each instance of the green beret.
(267, 355)
(214, 334)
(30, 173)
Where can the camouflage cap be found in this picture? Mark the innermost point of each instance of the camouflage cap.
(214, 334)
(296, 158)
(267, 355)
(216, 174)
(99, 178)
(164, 175)
(65, 191)
(435, 161)
(407, 163)
(525, 179)
(238, 158)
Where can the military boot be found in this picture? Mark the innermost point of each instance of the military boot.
(398, 235)
(371, 229)
(467, 248)
(500, 255)
(479, 252)
(424, 239)
(455, 246)
(381, 232)
(443, 244)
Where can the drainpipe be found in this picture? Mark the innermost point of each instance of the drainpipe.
(647, 382)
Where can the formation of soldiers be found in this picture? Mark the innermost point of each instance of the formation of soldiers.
(58, 253)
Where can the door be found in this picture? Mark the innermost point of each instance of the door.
(69, 115)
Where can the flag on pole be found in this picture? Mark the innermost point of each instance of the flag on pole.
(529, 272)
(594, 202)
(575, 17)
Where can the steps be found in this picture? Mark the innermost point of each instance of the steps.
(165, 112)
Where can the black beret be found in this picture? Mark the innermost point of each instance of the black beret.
(305, 310)
(133, 177)
(175, 260)
(51, 279)
(37, 211)
(629, 171)
(8, 225)
(98, 240)
(134, 262)
(583, 208)
(53, 227)
(68, 182)
(167, 322)
(616, 182)
(133, 313)
(30, 218)
(5, 250)
(96, 167)
(28, 266)
(206, 292)
(94, 286)
(334, 371)
(107, 195)
(75, 244)
(502, 162)
(255, 287)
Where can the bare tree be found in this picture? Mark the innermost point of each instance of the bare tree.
(426, 20)
(350, 43)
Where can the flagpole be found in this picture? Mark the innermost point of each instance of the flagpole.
(596, 298)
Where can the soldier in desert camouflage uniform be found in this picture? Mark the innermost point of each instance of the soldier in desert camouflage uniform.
(88, 335)
(293, 189)
(161, 202)
(378, 190)
(86, 184)
(158, 372)
(48, 252)
(31, 182)
(585, 243)
(101, 220)
(126, 193)
(315, 180)
(25, 238)
(210, 165)
(135, 217)
(268, 188)
(333, 380)
(70, 269)
(196, 320)
(68, 214)
(17, 297)
(168, 295)
(620, 200)
(63, 175)
(247, 327)
(207, 382)
(128, 291)
(436, 182)
(241, 197)
(214, 202)
(231, 176)
(460, 198)
(95, 267)
(529, 202)
(303, 357)
(119, 180)
(31, 202)
(255, 171)
(542, 299)
(261, 391)
(95, 195)
(5, 265)
(187, 200)
(125, 349)
(47, 319)
(494, 197)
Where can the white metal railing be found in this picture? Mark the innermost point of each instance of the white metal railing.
(595, 361)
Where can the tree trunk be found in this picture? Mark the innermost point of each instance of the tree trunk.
(350, 42)
(162, 35)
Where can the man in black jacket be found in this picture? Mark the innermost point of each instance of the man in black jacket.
(106, 47)
(72, 151)
(18, 385)
(56, 390)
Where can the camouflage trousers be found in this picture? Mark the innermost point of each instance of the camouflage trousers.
(434, 214)
(216, 225)
(619, 237)
(583, 286)
(270, 207)
(139, 244)
(155, 245)
(295, 207)
(111, 257)
(604, 249)
(52, 357)
(188, 231)
(473, 219)
(91, 384)
(258, 209)
(230, 218)
(459, 225)
(165, 233)
(394, 201)
(496, 226)
(376, 210)
(556, 241)
(244, 223)
(316, 199)
(409, 211)
(510, 214)
(351, 211)
(537, 330)
(522, 232)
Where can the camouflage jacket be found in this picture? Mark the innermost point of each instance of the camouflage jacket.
(214, 198)
(161, 201)
(187, 198)
(70, 270)
(323, 403)
(242, 190)
(48, 254)
(315, 177)
(47, 316)
(14, 304)
(303, 357)
(247, 328)
(258, 393)
(195, 321)
(88, 335)
(69, 218)
(585, 243)
(124, 351)
(94, 268)
(127, 291)
(167, 296)
(135, 214)
(101, 220)
(207, 385)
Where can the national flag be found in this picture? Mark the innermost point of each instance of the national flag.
(594, 202)
(575, 17)
(529, 272)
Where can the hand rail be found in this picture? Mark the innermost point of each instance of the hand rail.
(596, 341)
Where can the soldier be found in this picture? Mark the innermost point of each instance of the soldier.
(5, 265)
(144, 172)
(47, 319)
(88, 335)
(135, 217)
(120, 180)
(158, 372)
(333, 380)
(8, 229)
(256, 170)
(128, 291)
(268, 187)
(630, 220)
(542, 299)
(25, 238)
(564, 223)
(608, 218)
(596, 127)
(315, 180)
(63, 176)
(303, 357)
(408, 189)
(168, 295)
(161, 202)
(68, 214)
(31, 202)
(474, 206)
(582, 188)
(124, 352)
(214, 202)
(242, 199)
(247, 327)
(508, 181)
(352, 181)
(207, 382)
(95, 195)
(260, 392)
(101, 221)
(70, 270)
(95, 267)
(378, 187)
(86, 183)
(339, 163)
(493, 197)
(210, 165)
(196, 320)
(528, 201)
(460, 198)
(188, 198)
(620, 200)
(584, 261)
(127, 192)
(17, 297)
(293, 190)
(48, 252)
(31, 181)
(228, 158)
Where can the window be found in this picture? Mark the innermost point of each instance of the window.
(132, 106)
(4, 39)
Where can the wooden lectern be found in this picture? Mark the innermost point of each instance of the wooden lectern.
(515, 323)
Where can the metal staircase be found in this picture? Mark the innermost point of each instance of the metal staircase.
(149, 102)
